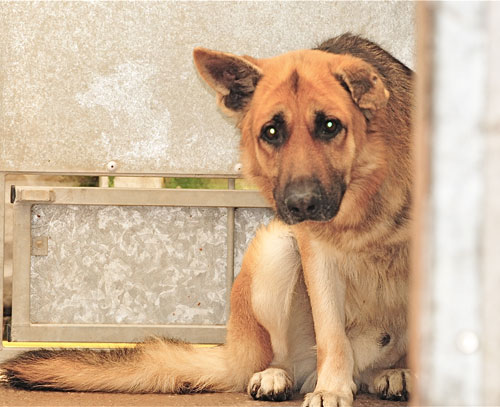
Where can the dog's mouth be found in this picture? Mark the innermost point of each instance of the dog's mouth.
(306, 199)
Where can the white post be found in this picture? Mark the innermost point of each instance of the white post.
(452, 216)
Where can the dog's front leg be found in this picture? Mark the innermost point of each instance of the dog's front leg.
(335, 385)
(276, 271)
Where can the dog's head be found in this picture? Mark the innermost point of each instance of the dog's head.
(304, 118)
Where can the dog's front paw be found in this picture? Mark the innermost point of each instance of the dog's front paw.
(271, 384)
(328, 399)
(393, 384)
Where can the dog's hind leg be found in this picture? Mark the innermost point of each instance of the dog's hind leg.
(248, 343)
(281, 305)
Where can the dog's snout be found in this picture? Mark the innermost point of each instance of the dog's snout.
(307, 199)
(303, 200)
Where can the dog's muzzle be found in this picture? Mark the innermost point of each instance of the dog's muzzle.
(306, 199)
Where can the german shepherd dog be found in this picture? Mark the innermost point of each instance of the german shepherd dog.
(320, 305)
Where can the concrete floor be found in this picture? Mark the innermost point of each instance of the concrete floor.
(18, 398)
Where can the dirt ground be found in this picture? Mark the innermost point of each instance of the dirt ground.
(18, 398)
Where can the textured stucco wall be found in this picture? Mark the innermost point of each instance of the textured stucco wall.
(86, 83)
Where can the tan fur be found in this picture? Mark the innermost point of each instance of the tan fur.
(320, 304)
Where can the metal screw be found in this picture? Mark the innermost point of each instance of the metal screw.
(238, 167)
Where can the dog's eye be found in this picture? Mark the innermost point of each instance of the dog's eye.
(270, 134)
(330, 126)
(327, 128)
(274, 132)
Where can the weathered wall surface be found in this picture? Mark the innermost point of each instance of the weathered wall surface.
(86, 83)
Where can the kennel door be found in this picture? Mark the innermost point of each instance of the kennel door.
(117, 265)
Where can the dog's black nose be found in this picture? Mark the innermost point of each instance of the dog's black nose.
(307, 199)
(304, 200)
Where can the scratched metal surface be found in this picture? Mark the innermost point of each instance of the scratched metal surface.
(86, 83)
(247, 222)
(141, 265)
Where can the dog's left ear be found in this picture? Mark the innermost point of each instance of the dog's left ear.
(233, 78)
(364, 84)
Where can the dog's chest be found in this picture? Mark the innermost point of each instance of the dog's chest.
(376, 285)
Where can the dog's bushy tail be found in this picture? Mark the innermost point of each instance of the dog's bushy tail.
(158, 365)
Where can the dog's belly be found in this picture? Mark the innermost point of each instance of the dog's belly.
(376, 345)
(376, 309)
(377, 340)
(376, 297)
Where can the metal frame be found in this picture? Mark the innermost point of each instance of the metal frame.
(26, 197)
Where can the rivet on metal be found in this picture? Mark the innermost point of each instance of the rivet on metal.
(112, 165)
(40, 246)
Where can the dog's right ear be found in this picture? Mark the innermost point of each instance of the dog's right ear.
(232, 77)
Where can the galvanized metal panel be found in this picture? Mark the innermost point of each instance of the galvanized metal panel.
(25, 329)
(247, 222)
(139, 265)
(86, 84)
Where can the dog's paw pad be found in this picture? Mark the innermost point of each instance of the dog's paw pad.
(271, 385)
(393, 384)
